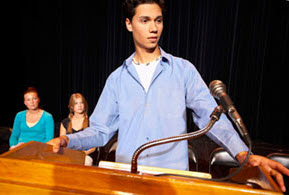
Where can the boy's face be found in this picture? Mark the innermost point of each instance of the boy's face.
(146, 26)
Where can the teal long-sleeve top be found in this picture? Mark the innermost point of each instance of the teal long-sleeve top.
(42, 131)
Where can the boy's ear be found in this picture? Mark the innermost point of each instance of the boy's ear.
(128, 25)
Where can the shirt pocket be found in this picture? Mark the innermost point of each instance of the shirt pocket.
(170, 102)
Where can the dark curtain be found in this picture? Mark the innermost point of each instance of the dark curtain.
(62, 47)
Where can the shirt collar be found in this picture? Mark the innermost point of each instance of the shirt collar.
(165, 58)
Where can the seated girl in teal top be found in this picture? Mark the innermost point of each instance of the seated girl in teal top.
(33, 124)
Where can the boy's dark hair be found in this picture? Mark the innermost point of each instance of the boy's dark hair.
(129, 6)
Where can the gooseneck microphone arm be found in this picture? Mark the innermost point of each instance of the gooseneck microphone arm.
(214, 117)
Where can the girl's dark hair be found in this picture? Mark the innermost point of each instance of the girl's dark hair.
(30, 89)
(129, 6)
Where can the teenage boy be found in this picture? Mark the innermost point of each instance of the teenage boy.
(146, 99)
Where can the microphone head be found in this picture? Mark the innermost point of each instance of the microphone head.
(217, 88)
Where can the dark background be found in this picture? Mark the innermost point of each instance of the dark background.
(62, 47)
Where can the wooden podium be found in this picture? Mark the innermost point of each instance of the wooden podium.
(34, 169)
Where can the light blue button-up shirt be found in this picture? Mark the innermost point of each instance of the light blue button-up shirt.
(141, 117)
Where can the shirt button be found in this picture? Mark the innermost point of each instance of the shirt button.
(147, 138)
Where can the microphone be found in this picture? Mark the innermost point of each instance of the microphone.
(218, 90)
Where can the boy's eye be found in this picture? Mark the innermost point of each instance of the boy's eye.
(159, 21)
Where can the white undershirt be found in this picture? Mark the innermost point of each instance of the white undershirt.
(145, 72)
(31, 124)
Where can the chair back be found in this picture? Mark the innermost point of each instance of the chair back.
(282, 158)
(221, 159)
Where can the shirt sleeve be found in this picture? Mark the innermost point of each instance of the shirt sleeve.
(49, 128)
(199, 99)
(13, 140)
(103, 122)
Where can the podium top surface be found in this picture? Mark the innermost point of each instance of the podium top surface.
(43, 152)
